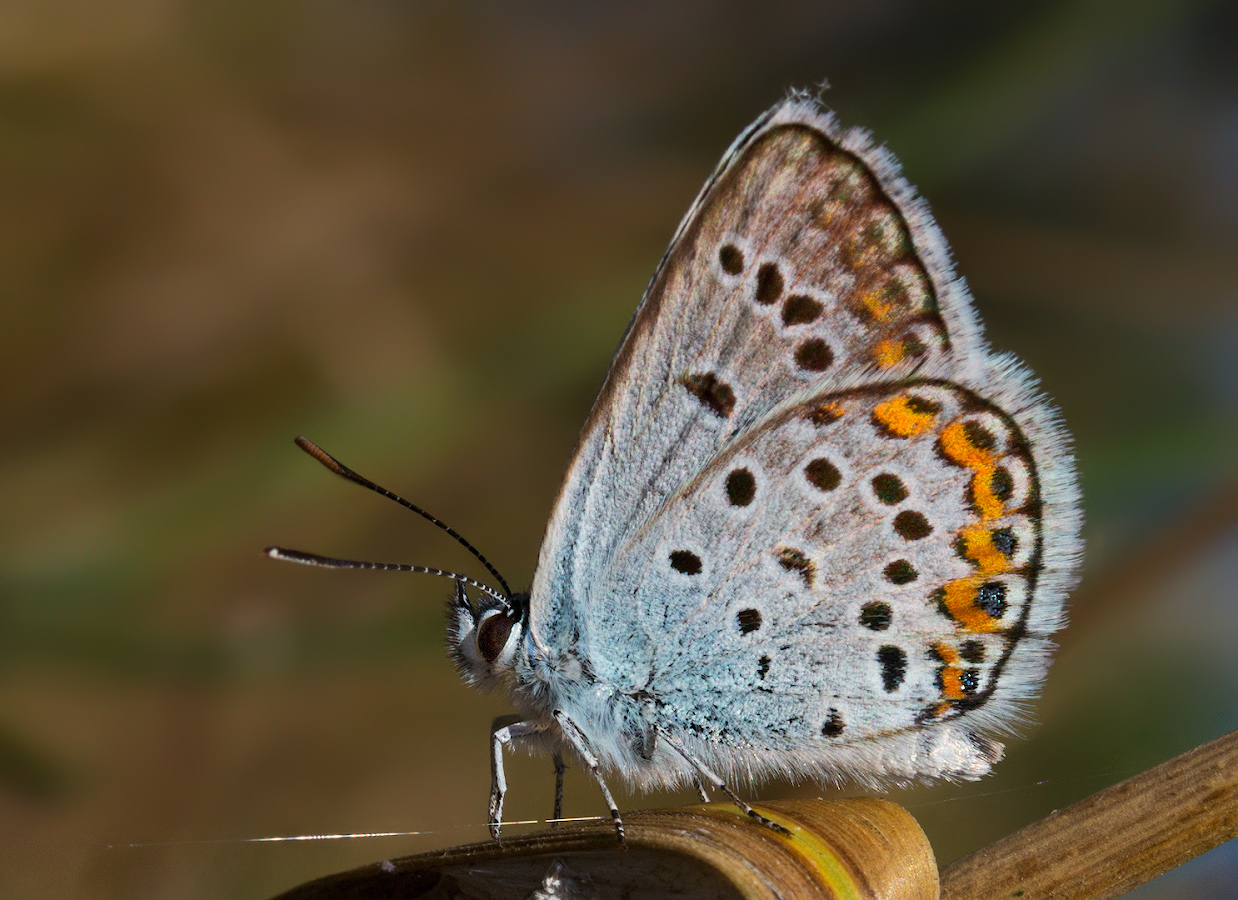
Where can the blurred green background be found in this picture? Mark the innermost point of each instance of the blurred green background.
(414, 232)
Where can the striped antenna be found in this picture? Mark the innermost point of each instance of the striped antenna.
(329, 562)
(344, 472)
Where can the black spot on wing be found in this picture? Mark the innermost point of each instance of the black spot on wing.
(814, 355)
(901, 572)
(889, 489)
(800, 310)
(991, 598)
(893, 662)
(716, 395)
(969, 681)
(794, 561)
(823, 474)
(748, 620)
(741, 487)
(1005, 541)
(769, 284)
(979, 436)
(911, 525)
(685, 561)
(876, 616)
(972, 652)
(833, 725)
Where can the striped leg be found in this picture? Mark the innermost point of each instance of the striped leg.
(558, 757)
(700, 788)
(708, 776)
(578, 742)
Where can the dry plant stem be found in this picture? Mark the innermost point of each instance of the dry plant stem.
(870, 849)
(862, 849)
(1116, 839)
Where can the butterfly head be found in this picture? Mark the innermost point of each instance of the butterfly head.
(483, 635)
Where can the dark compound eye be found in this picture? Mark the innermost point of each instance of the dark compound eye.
(492, 635)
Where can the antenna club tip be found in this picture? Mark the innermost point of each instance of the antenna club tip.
(273, 552)
(328, 460)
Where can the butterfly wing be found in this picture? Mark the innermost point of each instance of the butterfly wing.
(805, 268)
(805, 260)
(856, 587)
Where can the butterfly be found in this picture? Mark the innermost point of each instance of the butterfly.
(813, 527)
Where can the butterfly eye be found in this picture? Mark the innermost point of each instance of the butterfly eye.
(492, 635)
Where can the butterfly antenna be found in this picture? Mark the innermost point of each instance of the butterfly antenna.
(344, 472)
(329, 562)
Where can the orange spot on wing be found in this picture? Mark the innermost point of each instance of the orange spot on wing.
(987, 502)
(946, 653)
(958, 601)
(952, 683)
(959, 449)
(889, 352)
(951, 674)
(824, 413)
(977, 546)
(956, 446)
(878, 308)
(900, 417)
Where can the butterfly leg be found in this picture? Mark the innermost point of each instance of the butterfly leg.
(700, 788)
(503, 731)
(558, 757)
(578, 742)
(718, 784)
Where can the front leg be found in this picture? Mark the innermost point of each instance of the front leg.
(504, 730)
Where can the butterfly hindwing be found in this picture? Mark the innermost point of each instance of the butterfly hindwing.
(861, 565)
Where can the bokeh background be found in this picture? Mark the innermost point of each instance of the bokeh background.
(414, 231)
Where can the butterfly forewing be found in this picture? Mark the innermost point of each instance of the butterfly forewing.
(801, 265)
